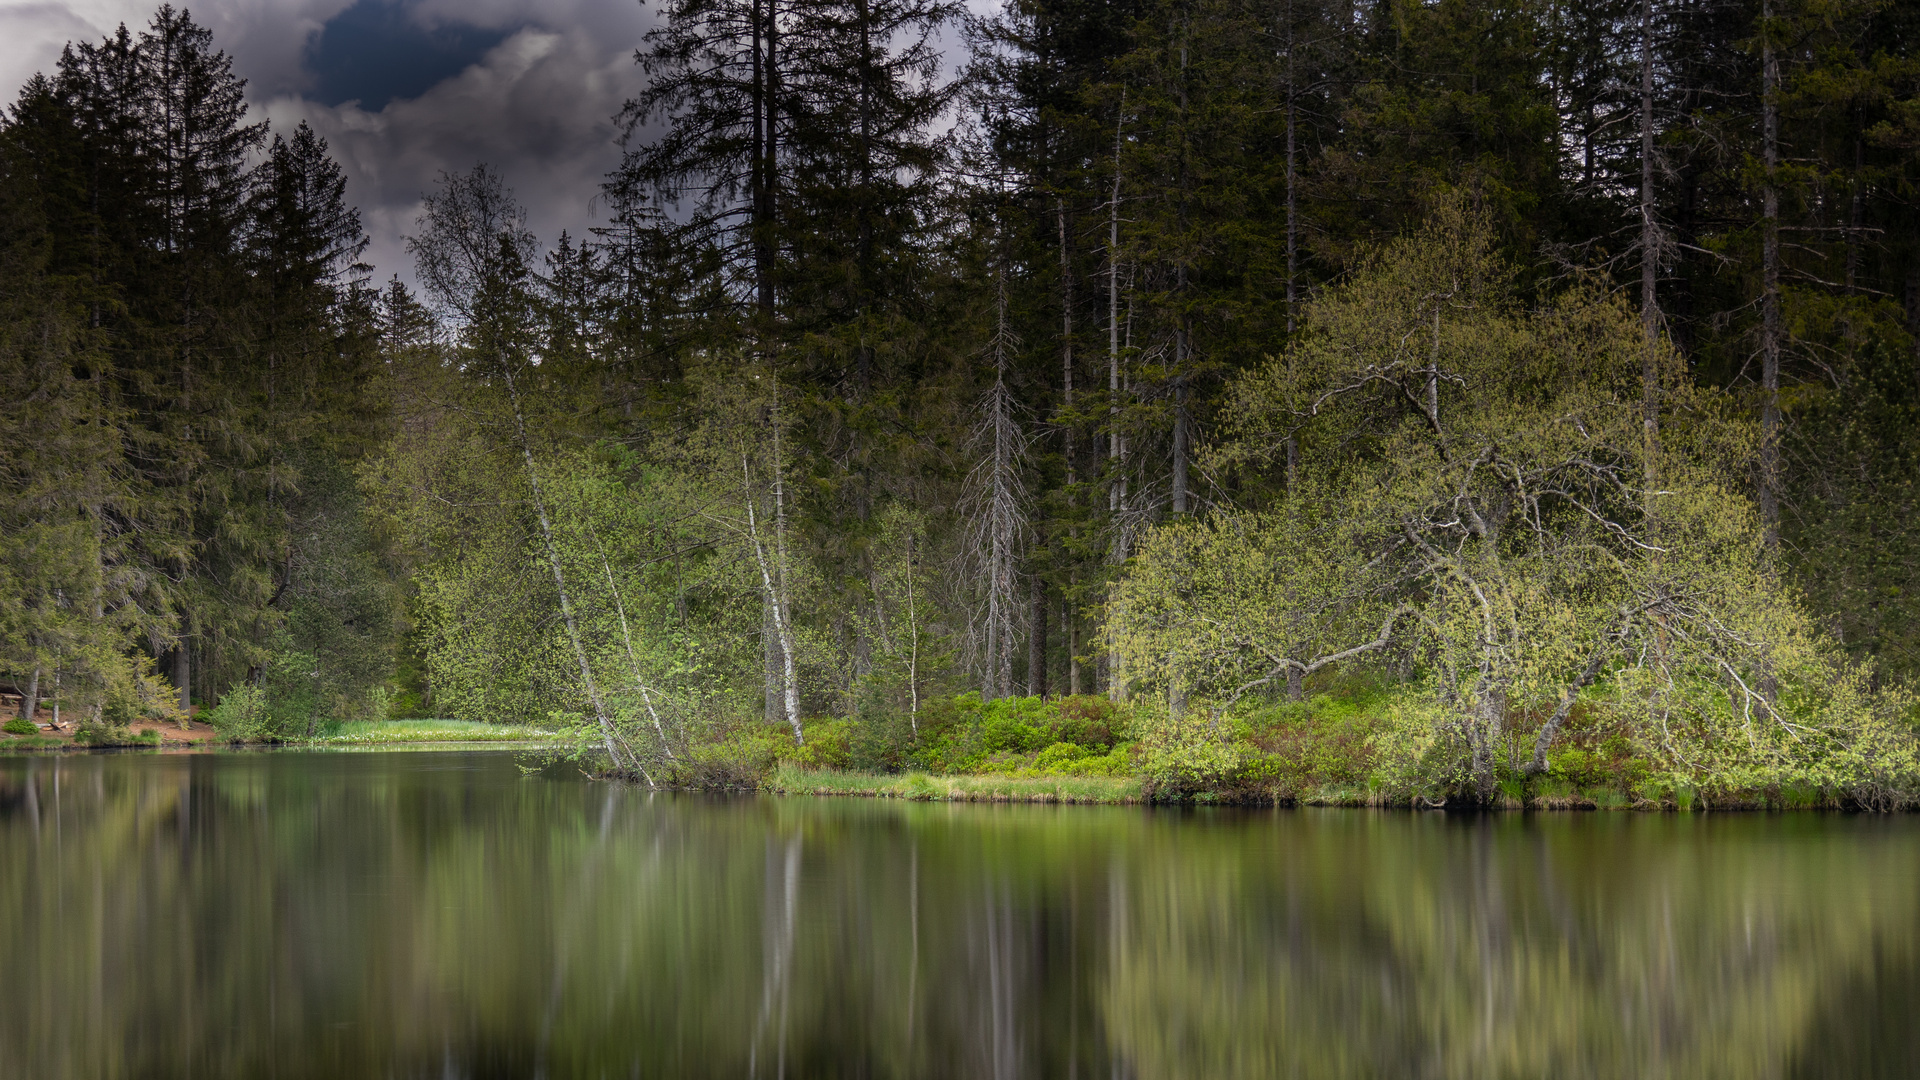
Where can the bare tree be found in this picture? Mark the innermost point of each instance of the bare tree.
(996, 508)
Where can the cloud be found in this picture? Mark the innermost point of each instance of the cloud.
(539, 106)
(529, 86)
(376, 51)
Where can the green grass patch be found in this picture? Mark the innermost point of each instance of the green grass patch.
(429, 731)
(791, 779)
(33, 742)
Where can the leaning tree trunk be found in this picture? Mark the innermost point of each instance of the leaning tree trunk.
(609, 739)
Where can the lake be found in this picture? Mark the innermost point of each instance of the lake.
(445, 914)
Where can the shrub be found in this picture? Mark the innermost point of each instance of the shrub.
(1181, 756)
(1068, 759)
(20, 725)
(242, 715)
(1092, 722)
(880, 742)
(740, 758)
(825, 746)
(105, 735)
(1059, 757)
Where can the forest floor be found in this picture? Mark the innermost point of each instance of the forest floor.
(158, 734)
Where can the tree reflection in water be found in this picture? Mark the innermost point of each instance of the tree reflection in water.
(299, 914)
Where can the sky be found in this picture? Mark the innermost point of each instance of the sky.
(403, 89)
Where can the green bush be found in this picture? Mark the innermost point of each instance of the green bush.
(1059, 757)
(106, 735)
(20, 725)
(242, 715)
(880, 742)
(1186, 755)
(826, 745)
(1072, 759)
(967, 735)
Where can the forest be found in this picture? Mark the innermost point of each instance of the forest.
(1377, 400)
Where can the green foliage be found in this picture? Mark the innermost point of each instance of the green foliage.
(242, 715)
(1183, 755)
(20, 725)
(104, 736)
(284, 703)
(968, 735)
(1477, 497)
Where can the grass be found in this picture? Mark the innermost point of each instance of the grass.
(33, 742)
(790, 779)
(429, 731)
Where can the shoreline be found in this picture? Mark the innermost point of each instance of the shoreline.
(1003, 788)
(1133, 791)
(200, 737)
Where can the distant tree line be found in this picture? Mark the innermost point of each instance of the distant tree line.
(910, 340)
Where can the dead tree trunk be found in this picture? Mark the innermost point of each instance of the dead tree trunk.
(1005, 520)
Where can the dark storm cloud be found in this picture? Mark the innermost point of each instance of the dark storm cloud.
(376, 51)
(406, 89)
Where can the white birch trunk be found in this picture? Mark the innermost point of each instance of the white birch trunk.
(608, 737)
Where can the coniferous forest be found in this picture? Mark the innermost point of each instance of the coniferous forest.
(1281, 399)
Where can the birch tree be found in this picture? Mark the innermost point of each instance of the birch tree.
(472, 254)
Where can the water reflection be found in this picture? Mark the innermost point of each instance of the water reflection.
(442, 915)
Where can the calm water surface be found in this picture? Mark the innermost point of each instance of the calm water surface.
(441, 914)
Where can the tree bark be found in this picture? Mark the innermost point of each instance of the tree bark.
(1066, 337)
(1181, 435)
(775, 577)
(766, 92)
(770, 654)
(1067, 625)
(1293, 233)
(1770, 328)
(1650, 244)
(1113, 328)
(1037, 638)
(183, 671)
(30, 704)
(913, 636)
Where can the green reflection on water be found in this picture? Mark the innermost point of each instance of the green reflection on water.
(300, 914)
